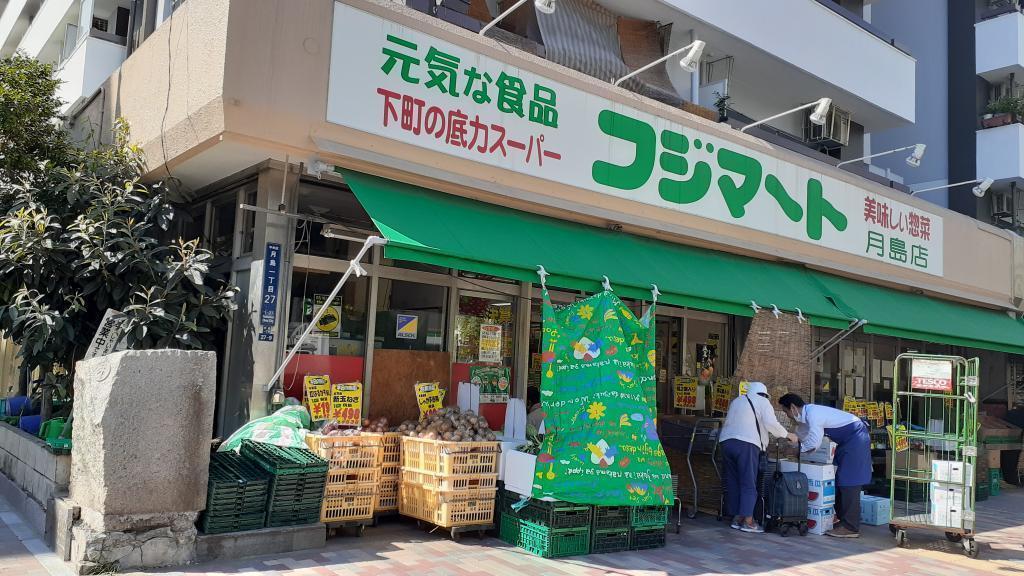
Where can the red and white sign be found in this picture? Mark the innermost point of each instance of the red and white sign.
(935, 375)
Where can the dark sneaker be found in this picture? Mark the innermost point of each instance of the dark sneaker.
(842, 532)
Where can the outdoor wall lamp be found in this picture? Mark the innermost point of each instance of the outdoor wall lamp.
(818, 116)
(543, 6)
(688, 63)
(983, 184)
(914, 160)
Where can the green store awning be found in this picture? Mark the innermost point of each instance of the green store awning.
(441, 229)
(904, 315)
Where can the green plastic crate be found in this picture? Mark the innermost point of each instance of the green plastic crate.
(608, 517)
(543, 541)
(644, 516)
(981, 492)
(557, 515)
(220, 524)
(282, 461)
(647, 538)
(605, 541)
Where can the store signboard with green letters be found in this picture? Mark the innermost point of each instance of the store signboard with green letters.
(415, 88)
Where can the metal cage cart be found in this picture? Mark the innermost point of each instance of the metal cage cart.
(697, 437)
(934, 452)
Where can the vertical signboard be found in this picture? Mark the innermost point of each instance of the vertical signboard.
(268, 298)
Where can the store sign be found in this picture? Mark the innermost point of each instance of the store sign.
(317, 396)
(109, 336)
(490, 343)
(429, 397)
(407, 326)
(415, 88)
(685, 393)
(493, 382)
(933, 375)
(347, 403)
(329, 323)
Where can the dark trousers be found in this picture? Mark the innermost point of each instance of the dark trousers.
(848, 507)
(740, 466)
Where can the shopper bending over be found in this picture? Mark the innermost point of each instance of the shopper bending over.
(743, 438)
(852, 459)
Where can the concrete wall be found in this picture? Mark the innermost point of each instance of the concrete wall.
(270, 61)
(34, 477)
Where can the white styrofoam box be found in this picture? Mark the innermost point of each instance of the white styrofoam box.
(821, 492)
(950, 517)
(813, 471)
(938, 426)
(823, 455)
(507, 445)
(820, 519)
(515, 419)
(519, 472)
(952, 471)
(946, 495)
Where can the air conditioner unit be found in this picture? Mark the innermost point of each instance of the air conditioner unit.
(835, 130)
(100, 24)
(1002, 204)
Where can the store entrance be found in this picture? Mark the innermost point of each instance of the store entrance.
(669, 357)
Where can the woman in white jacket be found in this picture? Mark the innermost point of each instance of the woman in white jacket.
(745, 435)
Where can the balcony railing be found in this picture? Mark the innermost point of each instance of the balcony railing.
(864, 24)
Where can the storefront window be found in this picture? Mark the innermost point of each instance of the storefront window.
(410, 316)
(882, 367)
(337, 345)
(337, 205)
(222, 227)
(827, 377)
(484, 330)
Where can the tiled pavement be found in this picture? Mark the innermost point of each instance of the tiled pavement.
(22, 553)
(703, 547)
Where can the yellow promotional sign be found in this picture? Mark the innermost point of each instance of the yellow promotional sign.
(685, 389)
(849, 404)
(898, 443)
(318, 396)
(743, 387)
(722, 396)
(429, 397)
(347, 403)
(872, 409)
(888, 411)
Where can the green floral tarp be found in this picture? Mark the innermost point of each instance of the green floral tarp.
(598, 393)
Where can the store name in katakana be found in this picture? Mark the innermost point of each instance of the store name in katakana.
(444, 73)
(739, 184)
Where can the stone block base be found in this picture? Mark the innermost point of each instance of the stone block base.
(282, 540)
(139, 544)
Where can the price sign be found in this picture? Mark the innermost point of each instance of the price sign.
(935, 375)
(898, 442)
(722, 396)
(347, 403)
(744, 385)
(872, 408)
(888, 411)
(849, 404)
(685, 392)
(429, 397)
(318, 396)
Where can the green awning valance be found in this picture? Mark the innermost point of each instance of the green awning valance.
(445, 230)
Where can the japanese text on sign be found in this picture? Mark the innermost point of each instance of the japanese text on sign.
(347, 403)
(493, 382)
(722, 396)
(429, 397)
(271, 273)
(935, 375)
(318, 396)
(490, 343)
(685, 392)
(439, 96)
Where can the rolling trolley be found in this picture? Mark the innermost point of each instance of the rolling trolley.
(936, 402)
(697, 437)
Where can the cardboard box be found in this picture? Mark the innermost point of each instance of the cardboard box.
(874, 510)
(519, 472)
(952, 471)
(907, 461)
(947, 504)
(820, 519)
(507, 445)
(819, 472)
(821, 492)
(823, 455)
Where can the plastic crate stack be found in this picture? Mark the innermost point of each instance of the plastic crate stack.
(547, 529)
(236, 495)
(647, 527)
(297, 482)
(611, 529)
(449, 484)
(386, 501)
(352, 476)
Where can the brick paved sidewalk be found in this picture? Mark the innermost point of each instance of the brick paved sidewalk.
(22, 553)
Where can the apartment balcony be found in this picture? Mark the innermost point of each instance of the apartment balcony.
(85, 69)
(1000, 153)
(999, 46)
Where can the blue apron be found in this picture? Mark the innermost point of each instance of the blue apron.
(853, 454)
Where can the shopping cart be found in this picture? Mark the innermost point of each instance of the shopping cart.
(934, 447)
(697, 437)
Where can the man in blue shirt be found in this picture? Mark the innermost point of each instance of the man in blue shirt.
(852, 458)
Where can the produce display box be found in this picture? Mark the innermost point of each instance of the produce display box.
(348, 508)
(646, 538)
(389, 471)
(450, 458)
(447, 509)
(386, 499)
(605, 541)
(391, 447)
(298, 482)
(543, 541)
(347, 452)
(557, 515)
(338, 479)
(450, 483)
(648, 516)
(611, 517)
(351, 489)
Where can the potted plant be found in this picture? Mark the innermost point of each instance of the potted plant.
(722, 104)
(1003, 110)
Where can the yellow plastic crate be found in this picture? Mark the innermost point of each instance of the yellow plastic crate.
(439, 457)
(338, 481)
(451, 483)
(447, 509)
(347, 452)
(347, 508)
(387, 496)
(350, 489)
(390, 471)
(391, 448)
